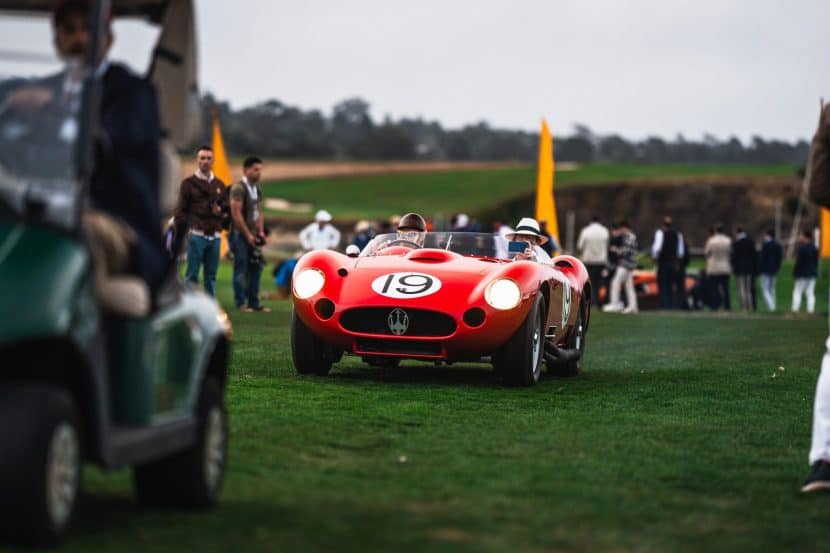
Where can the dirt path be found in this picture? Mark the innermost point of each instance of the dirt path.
(288, 170)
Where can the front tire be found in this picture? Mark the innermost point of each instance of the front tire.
(310, 355)
(520, 359)
(40, 464)
(194, 477)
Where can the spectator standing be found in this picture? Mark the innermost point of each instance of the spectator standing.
(744, 259)
(680, 276)
(625, 251)
(668, 251)
(551, 247)
(769, 263)
(460, 222)
(203, 206)
(363, 234)
(247, 236)
(718, 253)
(805, 272)
(593, 252)
(321, 234)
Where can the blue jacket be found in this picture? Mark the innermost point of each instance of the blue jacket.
(769, 260)
(806, 261)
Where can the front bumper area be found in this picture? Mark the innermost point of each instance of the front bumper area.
(398, 330)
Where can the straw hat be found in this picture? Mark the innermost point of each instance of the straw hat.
(528, 227)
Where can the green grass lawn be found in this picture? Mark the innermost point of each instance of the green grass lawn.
(684, 433)
(378, 196)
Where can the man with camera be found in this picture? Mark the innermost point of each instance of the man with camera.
(203, 206)
(247, 236)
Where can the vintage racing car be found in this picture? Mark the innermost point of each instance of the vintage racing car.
(457, 298)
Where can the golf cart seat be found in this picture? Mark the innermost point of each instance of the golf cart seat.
(127, 296)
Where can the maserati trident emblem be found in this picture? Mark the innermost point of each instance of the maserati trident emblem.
(398, 321)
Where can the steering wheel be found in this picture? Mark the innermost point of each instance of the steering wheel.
(402, 242)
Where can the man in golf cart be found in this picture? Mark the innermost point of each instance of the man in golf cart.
(122, 222)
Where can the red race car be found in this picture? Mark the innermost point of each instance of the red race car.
(459, 297)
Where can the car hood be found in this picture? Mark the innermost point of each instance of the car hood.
(440, 277)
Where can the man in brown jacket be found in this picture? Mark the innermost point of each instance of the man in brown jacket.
(203, 206)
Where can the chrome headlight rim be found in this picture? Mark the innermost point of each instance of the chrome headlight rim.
(308, 283)
(501, 298)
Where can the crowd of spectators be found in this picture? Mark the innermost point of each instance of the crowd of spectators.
(611, 256)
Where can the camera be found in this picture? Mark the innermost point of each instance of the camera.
(259, 241)
(517, 247)
(256, 257)
(225, 211)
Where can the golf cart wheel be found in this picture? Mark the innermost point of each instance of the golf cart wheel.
(520, 359)
(192, 478)
(575, 341)
(310, 355)
(40, 463)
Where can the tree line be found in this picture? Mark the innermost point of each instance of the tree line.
(275, 129)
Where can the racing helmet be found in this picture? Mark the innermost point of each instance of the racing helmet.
(413, 228)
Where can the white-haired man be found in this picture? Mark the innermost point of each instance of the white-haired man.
(321, 234)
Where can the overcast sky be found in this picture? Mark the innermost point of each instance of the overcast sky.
(638, 68)
(642, 67)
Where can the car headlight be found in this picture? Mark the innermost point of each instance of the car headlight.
(503, 293)
(308, 282)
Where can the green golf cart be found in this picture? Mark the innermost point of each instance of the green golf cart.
(111, 375)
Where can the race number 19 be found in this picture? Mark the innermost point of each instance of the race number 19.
(406, 285)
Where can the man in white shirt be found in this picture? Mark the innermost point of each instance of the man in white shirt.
(592, 246)
(321, 234)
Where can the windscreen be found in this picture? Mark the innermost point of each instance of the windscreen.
(475, 244)
(40, 98)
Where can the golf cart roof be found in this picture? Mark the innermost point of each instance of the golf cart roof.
(149, 9)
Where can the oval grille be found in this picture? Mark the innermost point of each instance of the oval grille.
(375, 320)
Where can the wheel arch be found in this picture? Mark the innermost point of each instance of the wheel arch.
(545, 290)
(217, 362)
(585, 305)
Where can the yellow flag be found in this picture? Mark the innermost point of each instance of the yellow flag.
(824, 236)
(545, 204)
(221, 169)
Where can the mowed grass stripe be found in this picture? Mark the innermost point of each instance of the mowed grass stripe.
(675, 438)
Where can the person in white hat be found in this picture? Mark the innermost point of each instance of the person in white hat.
(321, 234)
(528, 231)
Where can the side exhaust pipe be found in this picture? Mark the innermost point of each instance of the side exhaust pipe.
(554, 354)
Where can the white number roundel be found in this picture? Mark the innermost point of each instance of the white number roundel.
(406, 285)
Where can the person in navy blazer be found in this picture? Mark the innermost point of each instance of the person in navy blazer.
(769, 263)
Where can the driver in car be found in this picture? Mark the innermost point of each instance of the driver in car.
(123, 223)
(412, 228)
(527, 231)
